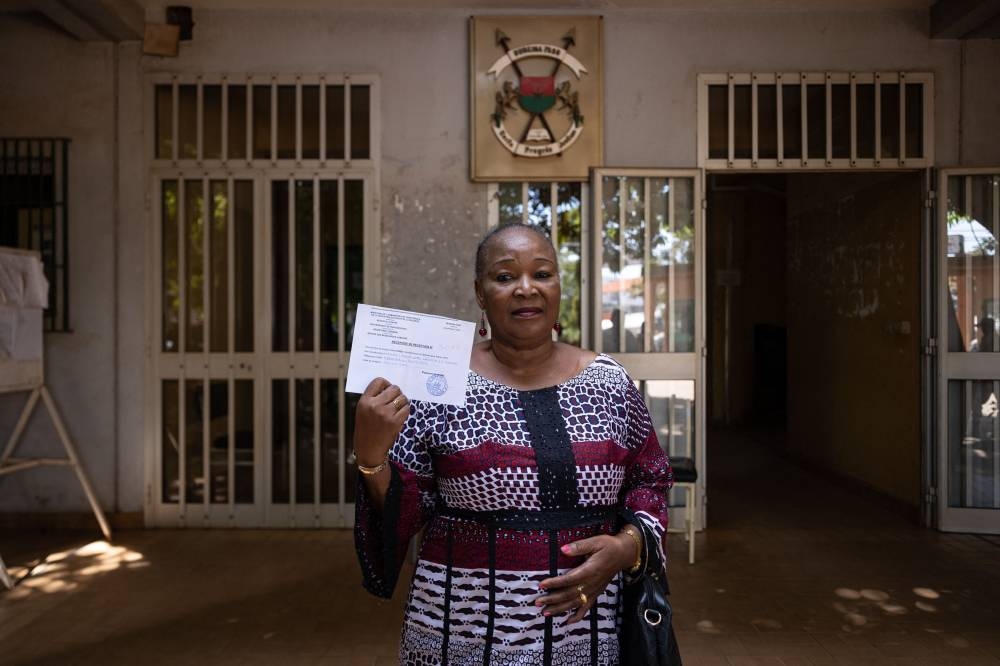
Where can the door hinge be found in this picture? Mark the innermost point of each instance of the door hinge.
(704, 203)
(704, 351)
(930, 349)
(930, 199)
(930, 497)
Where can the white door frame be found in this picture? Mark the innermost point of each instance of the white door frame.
(929, 349)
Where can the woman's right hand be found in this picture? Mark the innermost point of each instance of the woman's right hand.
(381, 413)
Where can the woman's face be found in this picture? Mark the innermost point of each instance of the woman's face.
(519, 288)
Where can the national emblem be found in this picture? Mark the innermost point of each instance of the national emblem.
(536, 95)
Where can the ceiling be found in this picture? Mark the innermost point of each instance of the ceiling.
(124, 20)
(528, 5)
(965, 19)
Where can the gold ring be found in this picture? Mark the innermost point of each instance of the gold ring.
(583, 597)
(395, 402)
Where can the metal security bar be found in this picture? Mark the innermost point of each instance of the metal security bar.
(306, 120)
(34, 198)
(816, 120)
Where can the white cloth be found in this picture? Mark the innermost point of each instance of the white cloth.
(24, 293)
(22, 280)
(20, 334)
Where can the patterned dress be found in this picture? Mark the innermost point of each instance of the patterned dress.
(500, 485)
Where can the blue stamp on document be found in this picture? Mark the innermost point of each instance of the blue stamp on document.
(437, 384)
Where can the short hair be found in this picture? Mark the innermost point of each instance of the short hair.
(496, 231)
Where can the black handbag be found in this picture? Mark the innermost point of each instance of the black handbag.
(647, 633)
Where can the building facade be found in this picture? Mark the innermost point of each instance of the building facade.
(741, 245)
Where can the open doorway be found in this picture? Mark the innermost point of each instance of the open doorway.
(813, 328)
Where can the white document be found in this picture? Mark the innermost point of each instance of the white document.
(427, 356)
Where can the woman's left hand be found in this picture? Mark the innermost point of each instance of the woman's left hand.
(606, 556)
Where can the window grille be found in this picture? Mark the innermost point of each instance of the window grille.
(254, 119)
(541, 204)
(34, 197)
(815, 120)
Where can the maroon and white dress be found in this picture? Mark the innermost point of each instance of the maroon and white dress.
(500, 485)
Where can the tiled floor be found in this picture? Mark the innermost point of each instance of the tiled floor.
(793, 571)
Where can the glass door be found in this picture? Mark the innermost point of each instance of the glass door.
(647, 279)
(969, 377)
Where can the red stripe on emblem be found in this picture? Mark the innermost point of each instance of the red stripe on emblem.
(538, 85)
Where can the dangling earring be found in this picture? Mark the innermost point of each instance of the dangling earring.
(482, 324)
(557, 328)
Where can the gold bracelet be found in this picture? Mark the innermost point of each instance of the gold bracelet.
(371, 471)
(629, 530)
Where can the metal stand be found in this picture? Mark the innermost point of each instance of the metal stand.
(9, 464)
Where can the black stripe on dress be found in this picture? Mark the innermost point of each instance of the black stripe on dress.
(553, 450)
(446, 628)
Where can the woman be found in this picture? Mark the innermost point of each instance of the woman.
(536, 496)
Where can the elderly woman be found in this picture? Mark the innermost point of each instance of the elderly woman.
(539, 496)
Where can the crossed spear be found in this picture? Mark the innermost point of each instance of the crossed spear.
(569, 39)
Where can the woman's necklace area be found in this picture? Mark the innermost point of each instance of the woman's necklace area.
(549, 372)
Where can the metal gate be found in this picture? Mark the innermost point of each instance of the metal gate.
(262, 244)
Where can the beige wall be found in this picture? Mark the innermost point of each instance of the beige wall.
(55, 86)
(853, 375)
